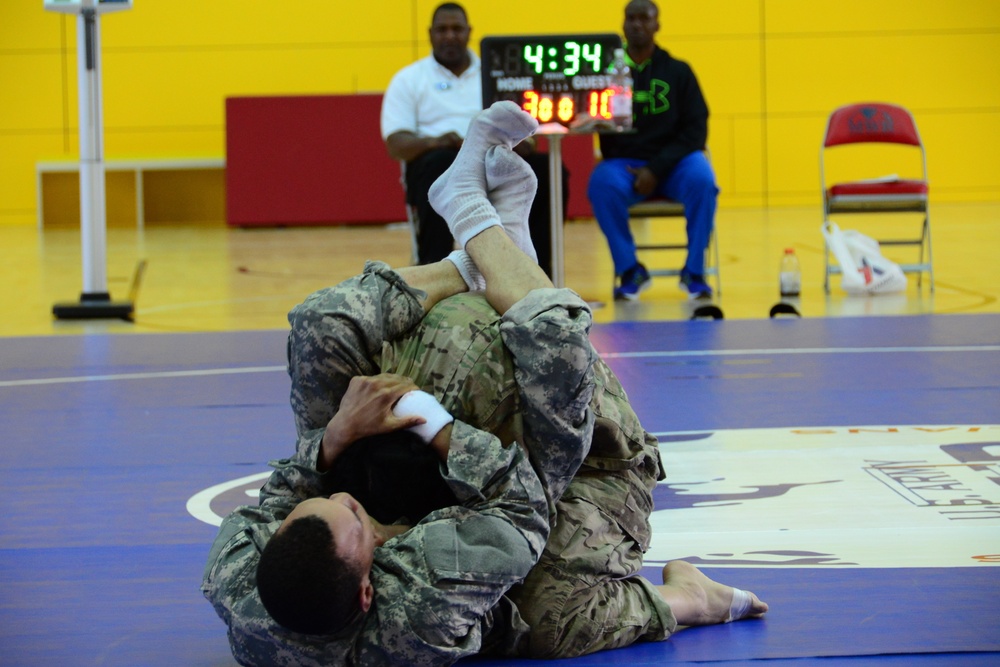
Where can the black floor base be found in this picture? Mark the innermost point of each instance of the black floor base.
(706, 311)
(784, 308)
(94, 307)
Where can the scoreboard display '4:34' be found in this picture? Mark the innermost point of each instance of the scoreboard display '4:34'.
(555, 78)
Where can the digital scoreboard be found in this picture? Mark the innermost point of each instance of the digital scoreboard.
(561, 79)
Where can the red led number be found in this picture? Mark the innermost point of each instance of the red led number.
(566, 109)
(600, 103)
(542, 107)
(531, 103)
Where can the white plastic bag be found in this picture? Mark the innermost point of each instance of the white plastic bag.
(863, 268)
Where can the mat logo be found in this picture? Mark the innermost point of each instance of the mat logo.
(214, 503)
(864, 496)
(947, 486)
(679, 496)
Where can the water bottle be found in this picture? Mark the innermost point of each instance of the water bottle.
(790, 275)
(621, 87)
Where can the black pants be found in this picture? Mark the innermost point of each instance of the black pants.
(434, 240)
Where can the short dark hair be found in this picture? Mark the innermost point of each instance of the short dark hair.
(450, 6)
(652, 5)
(304, 583)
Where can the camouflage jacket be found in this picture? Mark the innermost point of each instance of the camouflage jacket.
(439, 587)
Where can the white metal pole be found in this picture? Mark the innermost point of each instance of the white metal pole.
(93, 220)
(95, 301)
(556, 209)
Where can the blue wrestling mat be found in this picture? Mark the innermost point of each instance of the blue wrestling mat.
(847, 470)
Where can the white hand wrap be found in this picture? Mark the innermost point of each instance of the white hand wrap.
(740, 606)
(422, 404)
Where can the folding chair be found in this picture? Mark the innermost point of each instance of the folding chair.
(661, 207)
(878, 123)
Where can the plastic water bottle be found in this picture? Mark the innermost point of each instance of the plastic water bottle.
(790, 275)
(621, 86)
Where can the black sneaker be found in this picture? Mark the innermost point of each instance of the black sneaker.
(632, 282)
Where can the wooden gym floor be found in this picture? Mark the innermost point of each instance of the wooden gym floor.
(212, 278)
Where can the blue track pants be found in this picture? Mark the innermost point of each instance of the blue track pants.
(692, 182)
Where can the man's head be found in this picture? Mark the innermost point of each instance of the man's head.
(449, 34)
(642, 21)
(313, 576)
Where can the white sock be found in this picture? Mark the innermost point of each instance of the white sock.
(740, 606)
(459, 194)
(422, 404)
(470, 272)
(511, 186)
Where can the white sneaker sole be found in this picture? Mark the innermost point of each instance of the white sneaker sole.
(632, 297)
(694, 296)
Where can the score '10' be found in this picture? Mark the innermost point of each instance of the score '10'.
(544, 109)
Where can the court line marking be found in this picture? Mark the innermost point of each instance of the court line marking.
(803, 350)
(605, 355)
(143, 376)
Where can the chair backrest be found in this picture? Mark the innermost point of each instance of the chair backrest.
(871, 122)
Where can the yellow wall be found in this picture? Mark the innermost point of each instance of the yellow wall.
(771, 69)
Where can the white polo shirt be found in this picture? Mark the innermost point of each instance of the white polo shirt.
(427, 99)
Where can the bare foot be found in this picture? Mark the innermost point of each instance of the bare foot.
(697, 600)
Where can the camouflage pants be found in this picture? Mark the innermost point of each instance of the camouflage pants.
(585, 594)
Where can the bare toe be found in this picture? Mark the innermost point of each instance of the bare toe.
(697, 600)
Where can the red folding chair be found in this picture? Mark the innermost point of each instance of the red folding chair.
(878, 123)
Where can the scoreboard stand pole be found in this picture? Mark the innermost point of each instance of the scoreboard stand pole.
(556, 209)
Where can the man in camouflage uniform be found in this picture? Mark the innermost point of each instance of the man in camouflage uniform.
(516, 370)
